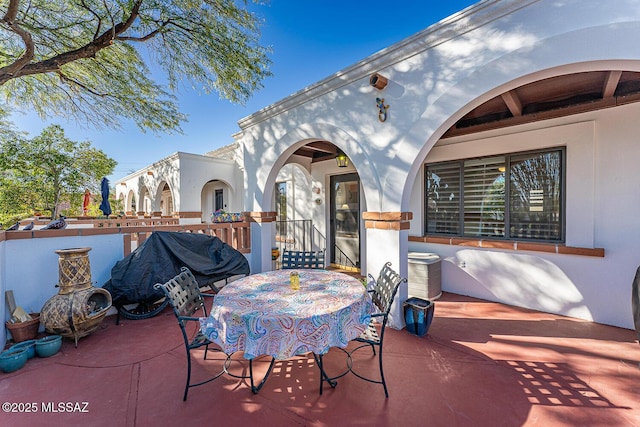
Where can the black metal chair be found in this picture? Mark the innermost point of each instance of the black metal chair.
(183, 293)
(302, 259)
(382, 294)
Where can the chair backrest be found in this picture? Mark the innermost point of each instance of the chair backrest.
(302, 259)
(183, 293)
(385, 288)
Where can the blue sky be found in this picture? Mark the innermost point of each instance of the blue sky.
(310, 40)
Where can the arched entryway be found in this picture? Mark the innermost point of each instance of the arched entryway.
(216, 195)
(318, 204)
(164, 198)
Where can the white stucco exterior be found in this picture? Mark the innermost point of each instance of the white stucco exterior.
(191, 179)
(435, 78)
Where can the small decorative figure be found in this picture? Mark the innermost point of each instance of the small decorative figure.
(382, 114)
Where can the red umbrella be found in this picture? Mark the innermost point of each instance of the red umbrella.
(85, 202)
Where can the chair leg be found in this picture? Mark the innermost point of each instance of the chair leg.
(384, 384)
(186, 387)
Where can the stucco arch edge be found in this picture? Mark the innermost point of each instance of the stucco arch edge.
(302, 135)
(513, 70)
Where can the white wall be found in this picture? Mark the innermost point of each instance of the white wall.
(437, 76)
(602, 198)
(34, 267)
(196, 171)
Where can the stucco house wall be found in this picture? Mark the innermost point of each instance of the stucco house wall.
(601, 183)
(187, 175)
(437, 76)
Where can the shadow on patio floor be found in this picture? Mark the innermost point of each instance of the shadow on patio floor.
(482, 364)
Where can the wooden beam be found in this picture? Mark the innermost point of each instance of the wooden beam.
(323, 146)
(543, 115)
(611, 83)
(513, 103)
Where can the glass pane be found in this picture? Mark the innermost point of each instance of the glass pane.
(535, 200)
(346, 219)
(281, 208)
(443, 198)
(484, 185)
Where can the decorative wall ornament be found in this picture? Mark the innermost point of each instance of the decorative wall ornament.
(382, 109)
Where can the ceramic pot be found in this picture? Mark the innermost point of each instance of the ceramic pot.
(29, 345)
(48, 346)
(12, 360)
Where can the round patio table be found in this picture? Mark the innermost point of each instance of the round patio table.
(261, 315)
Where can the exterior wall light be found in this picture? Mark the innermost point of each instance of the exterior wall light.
(342, 160)
(378, 81)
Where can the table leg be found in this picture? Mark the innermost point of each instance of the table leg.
(255, 389)
(323, 375)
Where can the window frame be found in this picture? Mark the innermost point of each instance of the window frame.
(562, 150)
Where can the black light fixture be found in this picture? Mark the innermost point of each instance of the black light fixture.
(342, 160)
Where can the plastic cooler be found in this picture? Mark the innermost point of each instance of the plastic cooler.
(418, 314)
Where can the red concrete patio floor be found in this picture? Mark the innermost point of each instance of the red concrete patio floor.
(482, 364)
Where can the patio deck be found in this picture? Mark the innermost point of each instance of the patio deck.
(482, 364)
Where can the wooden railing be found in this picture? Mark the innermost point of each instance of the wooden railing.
(236, 234)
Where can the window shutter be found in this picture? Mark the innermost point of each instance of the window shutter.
(484, 196)
(443, 198)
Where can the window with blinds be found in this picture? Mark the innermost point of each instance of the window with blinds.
(513, 196)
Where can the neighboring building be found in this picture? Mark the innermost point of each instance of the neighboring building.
(504, 140)
(189, 186)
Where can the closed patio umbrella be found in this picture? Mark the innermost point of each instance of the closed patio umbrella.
(105, 207)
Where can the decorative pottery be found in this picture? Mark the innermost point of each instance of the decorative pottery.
(29, 346)
(24, 331)
(79, 307)
(48, 346)
(12, 360)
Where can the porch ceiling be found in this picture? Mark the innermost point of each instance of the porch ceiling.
(544, 99)
(550, 98)
(318, 151)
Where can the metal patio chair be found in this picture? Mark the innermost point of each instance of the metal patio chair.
(183, 293)
(302, 259)
(382, 294)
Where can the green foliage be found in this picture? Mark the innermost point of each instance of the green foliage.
(37, 174)
(84, 58)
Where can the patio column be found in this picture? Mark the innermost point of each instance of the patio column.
(262, 234)
(387, 241)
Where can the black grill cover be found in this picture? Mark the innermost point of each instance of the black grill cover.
(160, 258)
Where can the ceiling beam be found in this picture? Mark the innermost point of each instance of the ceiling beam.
(322, 146)
(513, 103)
(611, 83)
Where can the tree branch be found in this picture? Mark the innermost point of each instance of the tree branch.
(77, 83)
(9, 19)
(146, 37)
(23, 67)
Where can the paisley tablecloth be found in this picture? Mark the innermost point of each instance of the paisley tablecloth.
(261, 315)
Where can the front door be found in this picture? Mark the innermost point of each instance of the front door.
(345, 220)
